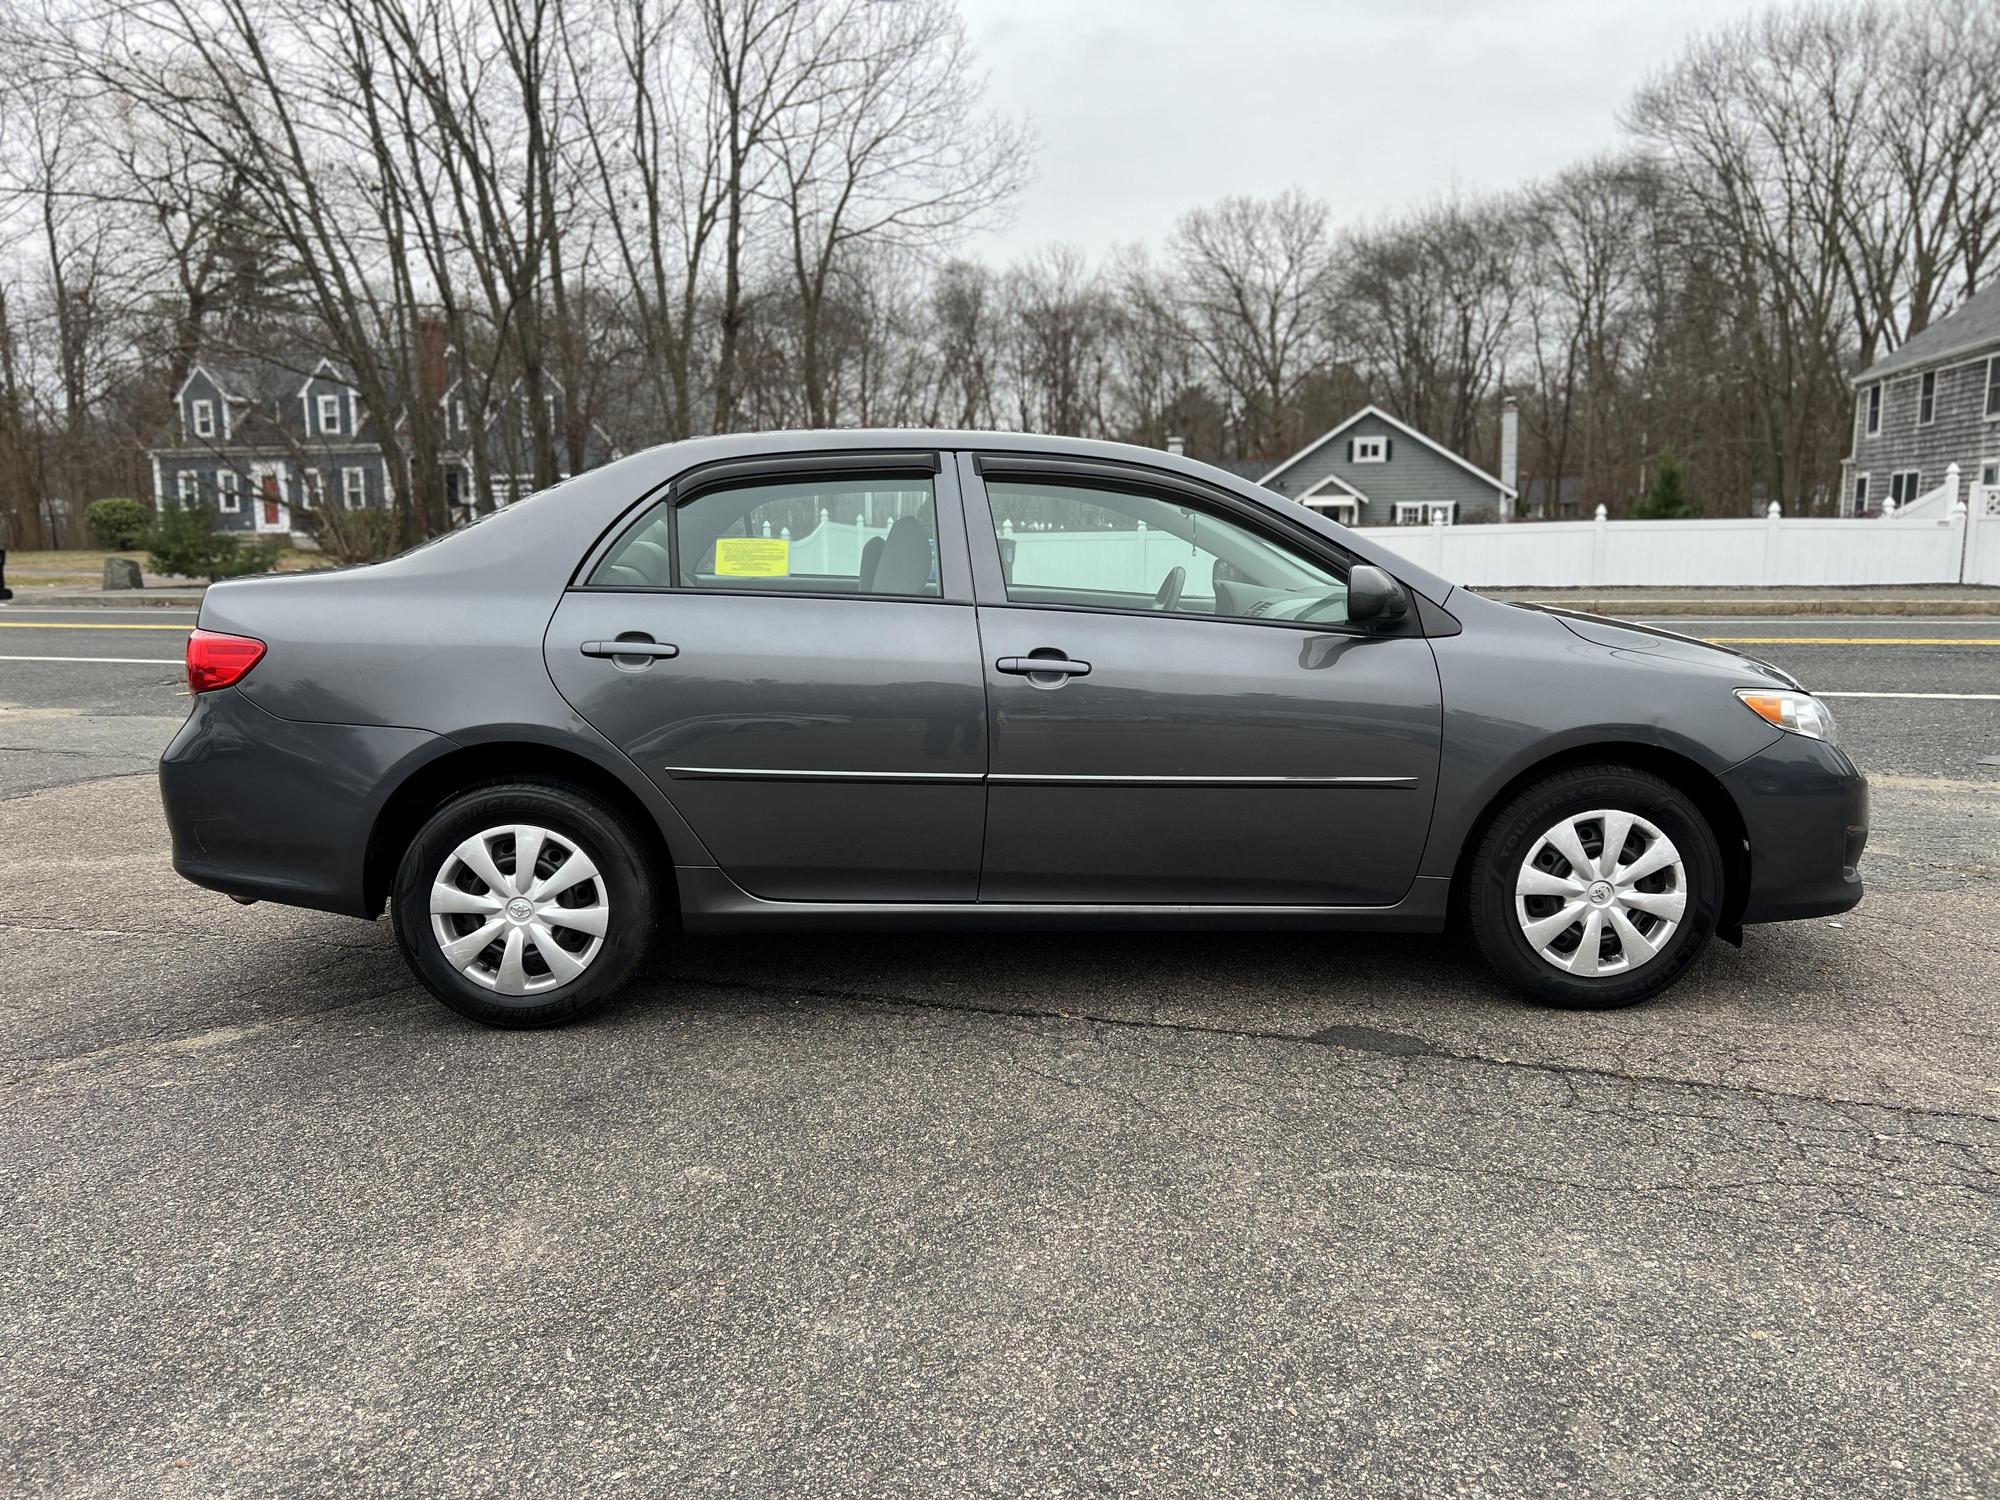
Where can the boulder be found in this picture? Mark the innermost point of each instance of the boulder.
(121, 573)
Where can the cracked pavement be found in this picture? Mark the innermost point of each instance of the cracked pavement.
(1175, 1214)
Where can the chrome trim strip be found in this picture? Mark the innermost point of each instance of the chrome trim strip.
(1021, 779)
(1011, 778)
(730, 773)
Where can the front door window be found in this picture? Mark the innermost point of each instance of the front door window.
(1103, 548)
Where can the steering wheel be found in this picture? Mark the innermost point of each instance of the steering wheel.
(1170, 588)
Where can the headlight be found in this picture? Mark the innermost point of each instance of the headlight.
(1797, 713)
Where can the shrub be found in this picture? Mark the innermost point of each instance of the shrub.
(117, 525)
(184, 543)
(1668, 498)
(352, 536)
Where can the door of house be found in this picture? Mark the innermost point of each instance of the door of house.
(273, 512)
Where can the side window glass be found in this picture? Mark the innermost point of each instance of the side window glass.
(845, 535)
(1125, 549)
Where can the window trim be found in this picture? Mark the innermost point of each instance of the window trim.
(991, 587)
(228, 492)
(1380, 444)
(1927, 398)
(1871, 420)
(1862, 481)
(1426, 507)
(312, 488)
(201, 417)
(1916, 478)
(955, 585)
(1989, 466)
(328, 399)
(1992, 388)
(348, 488)
(187, 488)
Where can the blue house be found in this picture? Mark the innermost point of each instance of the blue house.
(255, 439)
(258, 440)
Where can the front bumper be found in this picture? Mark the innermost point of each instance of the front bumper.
(270, 809)
(1805, 815)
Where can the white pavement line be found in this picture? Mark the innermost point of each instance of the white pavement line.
(1961, 697)
(118, 661)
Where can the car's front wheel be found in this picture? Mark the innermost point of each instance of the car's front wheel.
(1595, 887)
(523, 903)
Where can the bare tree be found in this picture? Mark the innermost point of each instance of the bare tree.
(887, 146)
(1254, 278)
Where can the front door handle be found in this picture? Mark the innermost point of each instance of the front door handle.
(646, 647)
(1035, 666)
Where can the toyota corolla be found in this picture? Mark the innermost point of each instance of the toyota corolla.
(903, 680)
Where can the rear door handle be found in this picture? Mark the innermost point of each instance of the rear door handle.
(630, 648)
(1034, 666)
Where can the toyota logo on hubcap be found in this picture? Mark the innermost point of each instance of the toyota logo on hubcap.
(520, 909)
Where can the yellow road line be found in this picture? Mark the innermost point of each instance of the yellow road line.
(1851, 640)
(80, 625)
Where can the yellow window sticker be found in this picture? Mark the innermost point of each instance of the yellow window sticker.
(753, 556)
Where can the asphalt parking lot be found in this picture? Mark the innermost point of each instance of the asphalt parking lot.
(1161, 1215)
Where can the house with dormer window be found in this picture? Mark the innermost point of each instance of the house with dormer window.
(258, 439)
(1932, 403)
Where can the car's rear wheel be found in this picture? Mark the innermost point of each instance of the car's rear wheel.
(1595, 887)
(523, 903)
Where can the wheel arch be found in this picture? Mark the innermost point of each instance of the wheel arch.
(403, 812)
(1690, 777)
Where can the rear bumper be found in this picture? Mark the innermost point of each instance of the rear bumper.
(272, 809)
(1805, 813)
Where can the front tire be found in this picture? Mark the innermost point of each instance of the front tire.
(524, 903)
(1566, 922)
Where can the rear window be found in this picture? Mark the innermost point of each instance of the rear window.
(846, 535)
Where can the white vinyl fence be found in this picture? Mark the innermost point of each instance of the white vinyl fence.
(1940, 538)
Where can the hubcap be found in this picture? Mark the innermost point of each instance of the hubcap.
(1601, 893)
(520, 910)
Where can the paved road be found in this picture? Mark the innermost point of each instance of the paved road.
(1163, 1215)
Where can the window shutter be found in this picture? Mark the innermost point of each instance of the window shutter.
(1388, 449)
(1350, 450)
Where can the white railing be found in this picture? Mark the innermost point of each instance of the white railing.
(1932, 505)
(1960, 544)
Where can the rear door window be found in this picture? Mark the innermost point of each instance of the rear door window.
(849, 534)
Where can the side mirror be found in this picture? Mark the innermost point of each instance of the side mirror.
(1374, 598)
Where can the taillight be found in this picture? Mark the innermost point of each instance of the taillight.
(216, 660)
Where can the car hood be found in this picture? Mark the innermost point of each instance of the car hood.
(1623, 635)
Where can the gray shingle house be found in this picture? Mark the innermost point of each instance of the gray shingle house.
(256, 439)
(1932, 403)
(1373, 470)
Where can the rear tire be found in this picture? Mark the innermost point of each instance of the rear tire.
(560, 939)
(1636, 923)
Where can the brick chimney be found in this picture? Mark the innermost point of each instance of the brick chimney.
(430, 358)
(1510, 452)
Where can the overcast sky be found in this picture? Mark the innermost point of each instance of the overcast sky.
(1146, 108)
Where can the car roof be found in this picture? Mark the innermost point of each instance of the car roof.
(599, 496)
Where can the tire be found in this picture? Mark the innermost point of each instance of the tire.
(512, 981)
(1517, 849)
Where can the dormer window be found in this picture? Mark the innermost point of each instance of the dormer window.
(329, 413)
(203, 414)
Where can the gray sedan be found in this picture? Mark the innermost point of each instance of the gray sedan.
(959, 679)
